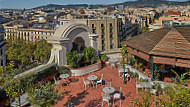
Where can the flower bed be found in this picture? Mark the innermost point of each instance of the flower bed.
(85, 70)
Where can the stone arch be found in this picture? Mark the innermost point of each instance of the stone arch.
(64, 37)
(78, 44)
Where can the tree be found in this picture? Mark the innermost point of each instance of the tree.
(14, 89)
(42, 51)
(22, 53)
(12, 86)
(43, 95)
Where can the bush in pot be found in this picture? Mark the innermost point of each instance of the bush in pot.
(63, 70)
(104, 58)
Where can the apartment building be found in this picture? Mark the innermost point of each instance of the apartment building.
(2, 47)
(108, 29)
(173, 18)
(27, 34)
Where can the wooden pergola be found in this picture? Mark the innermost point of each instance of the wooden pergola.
(169, 46)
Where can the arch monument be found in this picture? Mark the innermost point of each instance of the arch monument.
(68, 37)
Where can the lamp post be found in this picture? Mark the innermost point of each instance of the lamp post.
(123, 70)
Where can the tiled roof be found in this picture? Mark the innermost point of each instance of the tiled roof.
(171, 42)
(172, 13)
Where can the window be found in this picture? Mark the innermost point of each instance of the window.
(111, 46)
(102, 32)
(111, 30)
(93, 26)
(111, 25)
(111, 36)
(102, 25)
(102, 36)
(103, 48)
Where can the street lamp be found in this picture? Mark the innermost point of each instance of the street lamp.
(123, 69)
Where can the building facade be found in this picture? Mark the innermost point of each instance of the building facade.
(111, 31)
(27, 34)
(2, 47)
(173, 18)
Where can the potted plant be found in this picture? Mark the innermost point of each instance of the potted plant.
(135, 76)
(131, 75)
(103, 58)
(63, 70)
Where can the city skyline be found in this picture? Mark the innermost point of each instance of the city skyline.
(20, 4)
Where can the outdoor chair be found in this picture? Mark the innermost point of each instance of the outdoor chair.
(108, 84)
(153, 91)
(113, 65)
(99, 81)
(85, 82)
(57, 82)
(70, 104)
(138, 85)
(65, 82)
(117, 96)
(107, 63)
(105, 98)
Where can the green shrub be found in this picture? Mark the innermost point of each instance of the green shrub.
(87, 57)
(136, 75)
(103, 57)
(90, 55)
(63, 70)
(131, 74)
(143, 80)
(140, 65)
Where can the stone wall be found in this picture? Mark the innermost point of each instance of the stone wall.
(85, 70)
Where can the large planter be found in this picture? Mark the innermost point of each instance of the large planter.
(85, 70)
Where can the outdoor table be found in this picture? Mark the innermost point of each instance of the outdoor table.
(113, 60)
(108, 90)
(63, 76)
(92, 78)
(121, 70)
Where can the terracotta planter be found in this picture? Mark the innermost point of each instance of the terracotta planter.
(134, 79)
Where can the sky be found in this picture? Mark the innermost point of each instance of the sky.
(20, 4)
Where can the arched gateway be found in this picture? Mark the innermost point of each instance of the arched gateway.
(71, 36)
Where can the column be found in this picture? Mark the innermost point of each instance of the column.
(152, 67)
(93, 43)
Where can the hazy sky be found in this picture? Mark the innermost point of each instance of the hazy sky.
(20, 4)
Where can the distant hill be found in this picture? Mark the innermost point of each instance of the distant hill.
(139, 3)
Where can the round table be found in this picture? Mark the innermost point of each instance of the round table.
(92, 78)
(113, 60)
(108, 90)
(64, 76)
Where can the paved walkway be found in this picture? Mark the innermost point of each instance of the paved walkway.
(92, 97)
